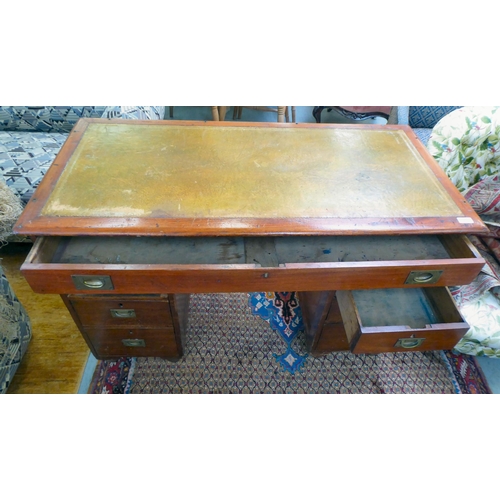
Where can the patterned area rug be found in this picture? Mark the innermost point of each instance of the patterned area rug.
(282, 312)
(231, 348)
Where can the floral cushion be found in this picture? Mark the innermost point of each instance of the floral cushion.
(479, 304)
(483, 315)
(466, 144)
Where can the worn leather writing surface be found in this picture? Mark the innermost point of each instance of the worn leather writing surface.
(129, 170)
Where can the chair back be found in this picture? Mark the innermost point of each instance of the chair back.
(427, 116)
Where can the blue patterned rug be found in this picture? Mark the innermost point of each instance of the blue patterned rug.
(281, 310)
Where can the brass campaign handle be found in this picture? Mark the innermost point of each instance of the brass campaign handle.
(93, 283)
(426, 277)
(133, 342)
(409, 343)
(423, 278)
(123, 313)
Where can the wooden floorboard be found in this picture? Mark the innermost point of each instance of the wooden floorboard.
(57, 354)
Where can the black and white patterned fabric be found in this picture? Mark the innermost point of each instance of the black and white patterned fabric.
(25, 157)
(135, 112)
(46, 118)
(427, 116)
(15, 332)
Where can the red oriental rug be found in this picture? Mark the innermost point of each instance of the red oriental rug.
(232, 350)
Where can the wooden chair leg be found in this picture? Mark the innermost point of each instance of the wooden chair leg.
(293, 114)
(222, 113)
(215, 113)
(281, 114)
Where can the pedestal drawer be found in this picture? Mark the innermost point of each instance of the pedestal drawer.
(131, 325)
(398, 320)
(122, 310)
(118, 342)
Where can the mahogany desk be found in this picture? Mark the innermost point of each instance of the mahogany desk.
(134, 216)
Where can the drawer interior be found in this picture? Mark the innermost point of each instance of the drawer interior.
(412, 307)
(397, 320)
(260, 251)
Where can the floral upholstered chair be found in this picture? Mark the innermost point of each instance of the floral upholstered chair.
(466, 144)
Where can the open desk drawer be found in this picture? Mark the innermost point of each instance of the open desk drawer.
(144, 265)
(398, 320)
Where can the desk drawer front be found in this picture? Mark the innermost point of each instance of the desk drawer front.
(203, 265)
(118, 342)
(123, 311)
(401, 320)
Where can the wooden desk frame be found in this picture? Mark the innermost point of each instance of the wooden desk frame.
(170, 284)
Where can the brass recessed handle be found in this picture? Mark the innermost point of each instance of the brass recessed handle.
(134, 342)
(123, 313)
(409, 343)
(93, 283)
(423, 277)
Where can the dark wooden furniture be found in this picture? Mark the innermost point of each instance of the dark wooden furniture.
(354, 112)
(133, 217)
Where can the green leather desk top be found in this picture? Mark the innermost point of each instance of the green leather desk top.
(222, 174)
